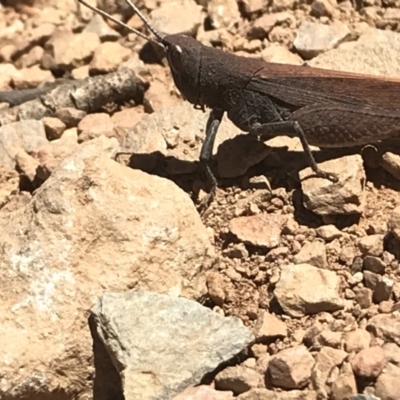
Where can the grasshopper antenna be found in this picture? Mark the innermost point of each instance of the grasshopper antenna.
(159, 38)
(144, 20)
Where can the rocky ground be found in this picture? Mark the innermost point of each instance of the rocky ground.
(293, 281)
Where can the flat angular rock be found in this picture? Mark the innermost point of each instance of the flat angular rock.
(304, 289)
(161, 345)
(315, 38)
(107, 58)
(263, 230)
(268, 327)
(346, 196)
(313, 253)
(394, 222)
(223, 13)
(238, 379)
(387, 384)
(345, 385)
(177, 17)
(326, 359)
(100, 27)
(291, 368)
(28, 135)
(93, 226)
(385, 326)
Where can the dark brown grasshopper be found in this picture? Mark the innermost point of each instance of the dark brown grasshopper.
(321, 107)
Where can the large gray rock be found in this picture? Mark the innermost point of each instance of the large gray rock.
(158, 344)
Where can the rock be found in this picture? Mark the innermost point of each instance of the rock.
(345, 385)
(54, 127)
(66, 51)
(163, 130)
(238, 379)
(216, 285)
(265, 394)
(203, 392)
(381, 286)
(314, 38)
(26, 164)
(194, 341)
(326, 359)
(95, 125)
(291, 368)
(107, 58)
(223, 13)
(269, 327)
(80, 73)
(99, 26)
(93, 226)
(369, 362)
(312, 253)
(70, 116)
(254, 7)
(59, 150)
(391, 163)
(356, 340)
(387, 384)
(376, 53)
(374, 264)
(329, 232)
(9, 185)
(237, 251)
(28, 135)
(371, 245)
(280, 54)
(298, 297)
(279, 5)
(236, 156)
(324, 8)
(329, 338)
(263, 26)
(177, 17)
(355, 279)
(7, 53)
(32, 58)
(392, 353)
(394, 222)
(385, 326)
(28, 78)
(262, 230)
(127, 118)
(115, 7)
(363, 297)
(7, 73)
(325, 197)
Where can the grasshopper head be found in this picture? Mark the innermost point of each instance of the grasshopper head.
(184, 59)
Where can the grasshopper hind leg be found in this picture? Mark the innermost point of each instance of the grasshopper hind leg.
(292, 128)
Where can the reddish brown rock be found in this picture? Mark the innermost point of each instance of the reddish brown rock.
(369, 362)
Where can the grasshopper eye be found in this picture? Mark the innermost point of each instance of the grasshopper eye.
(175, 56)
